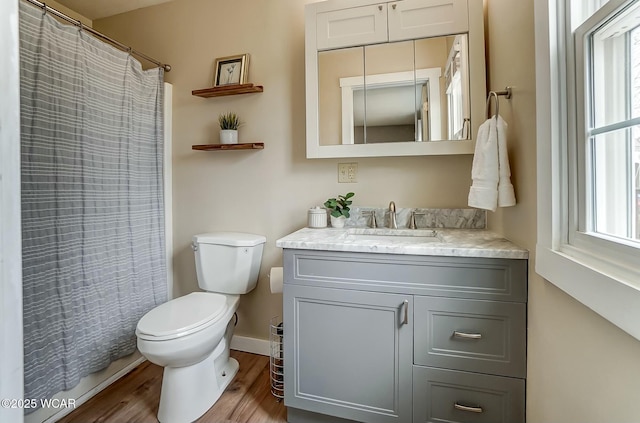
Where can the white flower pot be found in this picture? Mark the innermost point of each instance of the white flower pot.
(228, 136)
(338, 222)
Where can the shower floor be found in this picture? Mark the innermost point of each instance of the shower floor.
(134, 398)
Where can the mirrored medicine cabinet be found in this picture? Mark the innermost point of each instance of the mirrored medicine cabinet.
(394, 79)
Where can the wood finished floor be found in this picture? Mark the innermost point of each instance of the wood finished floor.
(135, 397)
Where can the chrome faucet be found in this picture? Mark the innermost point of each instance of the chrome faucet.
(412, 219)
(392, 216)
(372, 221)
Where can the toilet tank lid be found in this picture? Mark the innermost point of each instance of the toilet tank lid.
(234, 239)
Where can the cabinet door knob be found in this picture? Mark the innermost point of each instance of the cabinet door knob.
(379, 7)
(406, 312)
(393, 6)
(464, 335)
(467, 408)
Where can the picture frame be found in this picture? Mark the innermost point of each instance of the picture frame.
(231, 70)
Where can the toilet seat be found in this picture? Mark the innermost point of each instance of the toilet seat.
(182, 316)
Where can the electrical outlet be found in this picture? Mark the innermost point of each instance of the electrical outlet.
(347, 172)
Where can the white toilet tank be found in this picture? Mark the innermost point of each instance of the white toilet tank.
(228, 262)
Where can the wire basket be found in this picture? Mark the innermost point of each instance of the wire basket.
(276, 358)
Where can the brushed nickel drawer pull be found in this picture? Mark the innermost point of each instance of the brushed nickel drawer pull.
(467, 408)
(464, 335)
(406, 312)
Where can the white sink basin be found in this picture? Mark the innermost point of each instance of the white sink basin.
(415, 236)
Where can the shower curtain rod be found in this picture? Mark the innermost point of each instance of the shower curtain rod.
(79, 24)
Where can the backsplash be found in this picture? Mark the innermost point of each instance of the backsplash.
(432, 218)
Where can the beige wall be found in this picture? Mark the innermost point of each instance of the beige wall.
(581, 369)
(269, 191)
(72, 14)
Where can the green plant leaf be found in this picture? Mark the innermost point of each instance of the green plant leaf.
(229, 120)
(339, 206)
(331, 203)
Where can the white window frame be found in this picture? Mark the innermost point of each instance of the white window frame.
(600, 273)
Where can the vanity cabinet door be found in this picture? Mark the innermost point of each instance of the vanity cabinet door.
(410, 19)
(348, 353)
(352, 27)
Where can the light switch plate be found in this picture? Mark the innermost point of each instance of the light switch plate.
(347, 172)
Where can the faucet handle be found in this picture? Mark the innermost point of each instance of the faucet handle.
(372, 222)
(412, 219)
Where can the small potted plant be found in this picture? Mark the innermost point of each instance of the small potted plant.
(339, 209)
(229, 123)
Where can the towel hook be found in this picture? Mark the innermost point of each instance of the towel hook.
(488, 108)
(506, 92)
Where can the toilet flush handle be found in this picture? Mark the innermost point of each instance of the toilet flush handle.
(194, 246)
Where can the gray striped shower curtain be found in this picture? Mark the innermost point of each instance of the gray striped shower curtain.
(92, 201)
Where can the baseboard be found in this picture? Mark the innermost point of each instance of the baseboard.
(250, 345)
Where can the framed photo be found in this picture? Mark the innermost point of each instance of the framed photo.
(231, 70)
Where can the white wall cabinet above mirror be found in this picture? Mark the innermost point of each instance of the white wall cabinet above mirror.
(394, 79)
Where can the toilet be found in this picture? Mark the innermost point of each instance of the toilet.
(189, 336)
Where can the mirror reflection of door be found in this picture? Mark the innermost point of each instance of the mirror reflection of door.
(409, 91)
(391, 107)
(389, 100)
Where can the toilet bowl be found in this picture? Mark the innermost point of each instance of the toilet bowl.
(190, 336)
(194, 353)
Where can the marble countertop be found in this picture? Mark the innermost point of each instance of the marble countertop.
(447, 242)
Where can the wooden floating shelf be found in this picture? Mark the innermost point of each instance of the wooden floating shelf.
(228, 90)
(221, 147)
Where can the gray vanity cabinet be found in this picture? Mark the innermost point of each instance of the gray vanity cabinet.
(352, 354)
(380, 338)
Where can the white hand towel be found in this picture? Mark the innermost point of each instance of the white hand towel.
(483, 193)
(490, 172)
(506, 196)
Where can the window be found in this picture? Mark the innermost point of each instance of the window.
(588, 123)
(608, 123)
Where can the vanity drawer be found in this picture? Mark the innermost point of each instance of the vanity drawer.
(458, 277)
(451, 396)
(473, 335)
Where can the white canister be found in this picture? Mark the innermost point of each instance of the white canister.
(317, 217)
